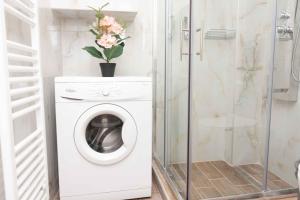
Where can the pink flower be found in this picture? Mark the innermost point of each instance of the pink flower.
(107, 41)
(115, 28)
(107, 21)
(110, 25)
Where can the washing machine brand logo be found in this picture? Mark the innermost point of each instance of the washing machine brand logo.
(70, 90)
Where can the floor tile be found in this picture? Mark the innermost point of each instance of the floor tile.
(225, 187)
(218, 179)
(230, 173)
(249, 189)
(209, 192)
(209, 170)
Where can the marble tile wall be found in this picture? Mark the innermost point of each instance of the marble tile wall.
(252, 71)
(212, 93)
(51, 62)
(177, 84)
(284, 47)
(159, 58)
(285, 138)
(212, 71)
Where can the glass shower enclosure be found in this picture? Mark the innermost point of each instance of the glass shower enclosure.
(227, 97)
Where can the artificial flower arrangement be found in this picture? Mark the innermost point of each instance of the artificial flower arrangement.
(110, 37)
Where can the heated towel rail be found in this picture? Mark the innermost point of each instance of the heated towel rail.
(21, 96)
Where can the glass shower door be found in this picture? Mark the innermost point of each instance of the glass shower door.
(230, 60)
(177, 93)
(220, 80)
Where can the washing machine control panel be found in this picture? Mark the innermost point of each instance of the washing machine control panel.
(103, 91)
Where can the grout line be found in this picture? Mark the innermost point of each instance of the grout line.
(199, 194)
(256, 182)
(224, 177)
(252, 182)
(203, 187)
(235, 186)
(201, 170)
(217, 169)
(248, 181)
(212, 179)
(223, 195)
(206, 177)
(220, 178)
(221, 173)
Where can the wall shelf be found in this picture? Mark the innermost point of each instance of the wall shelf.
(87, 13)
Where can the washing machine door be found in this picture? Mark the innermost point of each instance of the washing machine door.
(105, 134)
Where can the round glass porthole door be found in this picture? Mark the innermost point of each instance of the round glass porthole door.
(105, 134)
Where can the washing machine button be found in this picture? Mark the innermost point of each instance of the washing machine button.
(105, 93)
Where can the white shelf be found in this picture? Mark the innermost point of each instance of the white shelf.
(87, 13)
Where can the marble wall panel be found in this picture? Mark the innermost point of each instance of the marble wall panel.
(51, 63)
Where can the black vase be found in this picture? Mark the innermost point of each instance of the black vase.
(108, 69)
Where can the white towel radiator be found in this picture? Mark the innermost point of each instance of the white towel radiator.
(24, 163)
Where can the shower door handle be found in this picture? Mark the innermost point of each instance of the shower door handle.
(200, 53)
(184, 31)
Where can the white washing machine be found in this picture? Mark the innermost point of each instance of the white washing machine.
(104, 137)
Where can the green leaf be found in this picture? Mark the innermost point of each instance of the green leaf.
(104, 5)
(121, 40)
(95, 9)
(94, 32)
(94, 52)
(102, 47)
(99, 15)
(122, 44)
(98, 12)
(113, 52)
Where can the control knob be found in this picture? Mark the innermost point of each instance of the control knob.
(105, 93)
